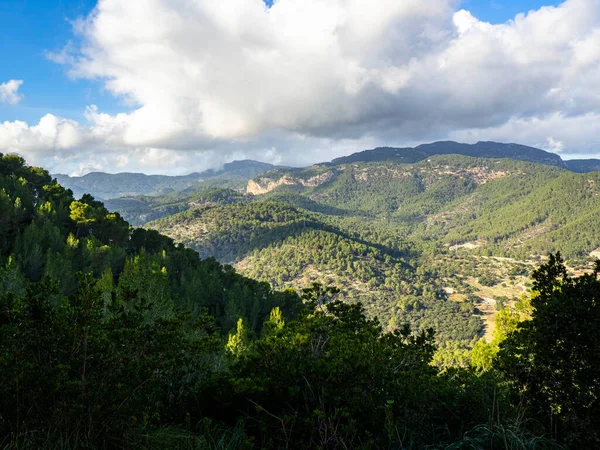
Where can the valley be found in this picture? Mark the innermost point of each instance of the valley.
(442, 240)
(297, 225)
(420, 236)
(436, 261)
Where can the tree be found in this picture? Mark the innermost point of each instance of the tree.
(334, 375)
(554, 358)
(238, 341)
(507, 321)
(83, 215)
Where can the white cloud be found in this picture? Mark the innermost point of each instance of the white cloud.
(66, 55)
(308, 79)
(551, 132)
(9, 92)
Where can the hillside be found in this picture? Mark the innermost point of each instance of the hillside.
(138, 210)
(583, 165)
(478, 150)
(501, 207)
(465, 230)
(105, 186)
(439, 212)
(172, 193)
(114, 337)
(45, 232)
(289, 248)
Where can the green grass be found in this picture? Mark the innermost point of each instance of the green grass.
(498, 437)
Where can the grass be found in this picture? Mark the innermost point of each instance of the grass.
(210, 437)
(498, 437)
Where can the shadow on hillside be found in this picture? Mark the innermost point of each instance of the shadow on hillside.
(233, 245)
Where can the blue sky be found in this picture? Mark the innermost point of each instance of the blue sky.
(29, 28)
(32, 27)
(498, 11)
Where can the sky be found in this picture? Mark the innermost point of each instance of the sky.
(175, 86)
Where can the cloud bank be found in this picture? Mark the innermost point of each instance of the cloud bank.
(9, 92)
(307, 80)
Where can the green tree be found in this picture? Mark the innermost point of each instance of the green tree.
(333, 377)
(554, 358)
(83, 215)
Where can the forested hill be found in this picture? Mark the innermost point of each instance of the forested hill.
(583, 165)
(287, 247)
(105, 186)
(440, 243)
(138, 210)
(478, 150)
(113, 337)
(45, 232)
(500, 207)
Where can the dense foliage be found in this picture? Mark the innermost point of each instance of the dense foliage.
(287, 247)
(112, 337)
(554, 357)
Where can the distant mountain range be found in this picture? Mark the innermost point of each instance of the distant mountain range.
(106, 186)
(478, 150)
(583, 165)
(234, 175)
(476, 216)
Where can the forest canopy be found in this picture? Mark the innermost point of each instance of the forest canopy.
(114, 337)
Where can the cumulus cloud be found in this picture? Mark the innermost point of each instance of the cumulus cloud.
(9, 92)
(307, 80)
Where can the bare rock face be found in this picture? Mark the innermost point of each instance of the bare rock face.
(317, 180)
(265, 185)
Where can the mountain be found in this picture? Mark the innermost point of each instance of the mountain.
(234, 175)
(478, 150)
(141, 198)
(106, 186)
(114, 337)
(508, 207)
(439, 242)
(370, 223)
(583, 165)
(138, 210)
(288, 247)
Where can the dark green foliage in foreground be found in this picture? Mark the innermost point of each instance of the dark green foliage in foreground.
(333, 379)
(99, 363)
(116, 338)
(106, 368)
(555, 357)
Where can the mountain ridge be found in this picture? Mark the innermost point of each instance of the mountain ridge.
(481, 149)
(107, 186)
(236, 173)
